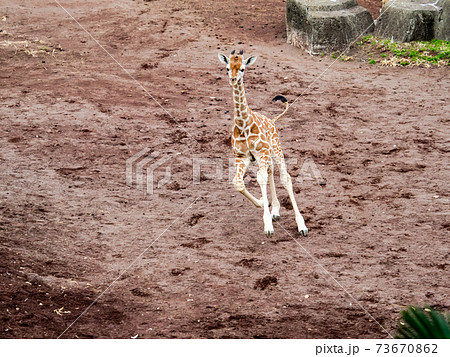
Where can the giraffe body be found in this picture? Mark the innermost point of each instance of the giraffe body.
(255, 137)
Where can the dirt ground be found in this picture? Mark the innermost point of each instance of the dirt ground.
(191, 260)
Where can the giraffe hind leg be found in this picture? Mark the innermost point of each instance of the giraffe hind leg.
(287, 183)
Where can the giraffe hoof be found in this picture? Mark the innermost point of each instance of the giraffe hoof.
(269, 234)
(275, 218)
(303, 232)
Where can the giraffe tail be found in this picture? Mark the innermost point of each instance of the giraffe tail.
(284, 100)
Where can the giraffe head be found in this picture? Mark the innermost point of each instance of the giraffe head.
(236, 66)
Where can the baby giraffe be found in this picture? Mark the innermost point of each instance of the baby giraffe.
(255, 137)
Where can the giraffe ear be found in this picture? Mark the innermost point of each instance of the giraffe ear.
(223, 58)
(249, 61)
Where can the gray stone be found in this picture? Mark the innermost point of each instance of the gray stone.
(414, 20)
(442, 24)
(323, 26)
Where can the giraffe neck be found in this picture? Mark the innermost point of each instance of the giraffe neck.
(241, 109)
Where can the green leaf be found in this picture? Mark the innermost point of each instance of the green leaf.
(413, 322)
(441, 326)
(423, 323)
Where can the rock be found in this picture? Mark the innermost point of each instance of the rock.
(414, 20)
(442, 23)
(323, 26)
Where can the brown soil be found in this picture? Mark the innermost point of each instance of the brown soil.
(70, 226)
(373, 6)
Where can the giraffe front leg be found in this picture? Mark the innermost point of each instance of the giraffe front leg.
(262, 177)
(273, 193)
(238, 181)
